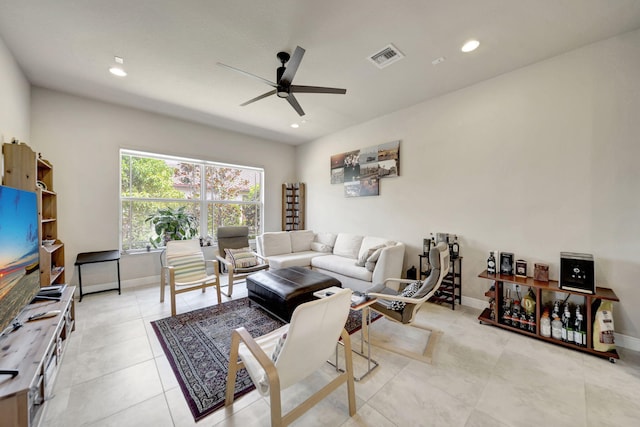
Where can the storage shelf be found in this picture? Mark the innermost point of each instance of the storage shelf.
(293, 206)
(450, 290)
(540, 287)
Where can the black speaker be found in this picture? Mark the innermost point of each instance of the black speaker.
(577, 272)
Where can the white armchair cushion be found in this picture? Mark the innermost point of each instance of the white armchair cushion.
(268, 344)
(301, 240)
(187, 267)
(276, 243)
(347, 245)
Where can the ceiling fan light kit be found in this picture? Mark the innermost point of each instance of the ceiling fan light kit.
(283, 88)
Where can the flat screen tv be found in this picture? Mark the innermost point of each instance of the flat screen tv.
(19, 253)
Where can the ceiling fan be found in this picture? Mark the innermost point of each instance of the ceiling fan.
(284, 77)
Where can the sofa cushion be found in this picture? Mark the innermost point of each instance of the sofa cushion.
(369, 242)
(295, 259)
(321, 247)
(342, 265)
(347, 245)
(276, 243)
(301, 240)
(328, 239)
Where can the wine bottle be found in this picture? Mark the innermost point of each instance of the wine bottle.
(579, 333)
(455, 248)
(491, 264)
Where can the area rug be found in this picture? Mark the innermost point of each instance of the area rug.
(197, 345)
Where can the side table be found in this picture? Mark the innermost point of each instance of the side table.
(92, 258)
(364, 331)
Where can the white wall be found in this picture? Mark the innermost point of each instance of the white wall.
(82, 138)
(536, 161)
(14, 99)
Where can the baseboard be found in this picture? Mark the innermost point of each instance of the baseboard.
(621, 340)
(124, 284)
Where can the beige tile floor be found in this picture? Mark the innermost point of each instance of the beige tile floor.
(114, 373)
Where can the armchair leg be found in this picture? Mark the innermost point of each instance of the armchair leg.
(173, 299)
(351, 388)
(218, 287)
(233, 367)
(230, 285)
(163, 284)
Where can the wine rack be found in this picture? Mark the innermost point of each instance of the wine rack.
(293, 206)
(540, 289)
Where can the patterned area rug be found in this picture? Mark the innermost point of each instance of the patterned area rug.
(197, 345)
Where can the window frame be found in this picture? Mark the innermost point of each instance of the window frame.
(202, 201)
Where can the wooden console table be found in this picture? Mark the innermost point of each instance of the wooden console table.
(94, 257)
(35, 351)
(539, 289)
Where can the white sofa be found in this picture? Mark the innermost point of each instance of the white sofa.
(343, 255)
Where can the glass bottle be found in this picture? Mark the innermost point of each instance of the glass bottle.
(579, 333)
(491, 264)
(567, 325)
(455, 248)
(515, 314)
(506, 309)
(545, 324)
(556, 328)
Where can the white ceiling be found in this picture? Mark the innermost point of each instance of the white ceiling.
(171, 48)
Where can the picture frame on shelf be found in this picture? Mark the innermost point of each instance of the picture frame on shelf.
(521, 268)
(541, 272)
(506, 263)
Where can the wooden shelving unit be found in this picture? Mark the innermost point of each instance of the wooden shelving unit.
(540, 288)
(293, 206)
(24, 171)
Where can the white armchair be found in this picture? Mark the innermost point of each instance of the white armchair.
(289, 354)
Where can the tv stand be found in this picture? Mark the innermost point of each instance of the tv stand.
(35, 351)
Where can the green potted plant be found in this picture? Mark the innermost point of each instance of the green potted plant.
(172, 224)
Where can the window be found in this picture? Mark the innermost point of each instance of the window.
(215, 193)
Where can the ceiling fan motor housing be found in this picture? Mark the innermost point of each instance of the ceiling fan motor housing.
(283, 87)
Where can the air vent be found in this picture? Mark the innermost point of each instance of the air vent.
(386, 56)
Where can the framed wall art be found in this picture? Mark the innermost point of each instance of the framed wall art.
(360, 171)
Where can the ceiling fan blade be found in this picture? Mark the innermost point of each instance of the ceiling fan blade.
(248, 74)
(316, 89)
(294, 103)
(292, 65)
(258, 98)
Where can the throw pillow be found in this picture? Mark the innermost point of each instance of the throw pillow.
(408, 292)
(370, 263)
(278, 349)
(366, 254)
(241, 258)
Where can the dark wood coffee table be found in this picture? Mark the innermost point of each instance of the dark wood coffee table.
(280, 291)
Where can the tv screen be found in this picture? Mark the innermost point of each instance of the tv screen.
(19, 252)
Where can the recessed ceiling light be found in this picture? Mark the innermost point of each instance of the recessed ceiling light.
(470, 46)
(437, 61)
(295, 125)
(117, 70)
